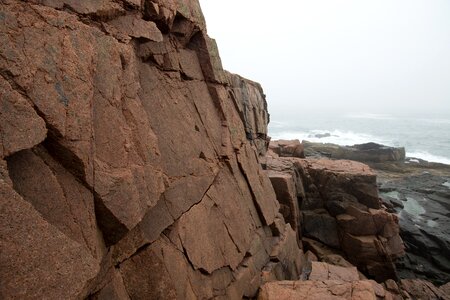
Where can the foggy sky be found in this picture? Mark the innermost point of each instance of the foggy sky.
(378, 56)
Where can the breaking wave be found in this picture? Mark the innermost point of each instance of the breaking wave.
(343, 138)
(429, 157)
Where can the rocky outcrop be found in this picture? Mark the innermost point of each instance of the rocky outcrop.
(338, 206)
(354, 289)
(250, 101)
(324, 289)
(129, 158)
(421, 289)
(335, 223)
(341, 280)
(287, 148)
(368, 152)
(417, 192)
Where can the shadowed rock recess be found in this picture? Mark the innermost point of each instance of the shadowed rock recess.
(130, 168)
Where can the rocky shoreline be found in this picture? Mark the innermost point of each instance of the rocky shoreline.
(340, 212)
(132, 166)
(419, 193)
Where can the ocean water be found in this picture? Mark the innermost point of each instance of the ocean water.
(423, 136)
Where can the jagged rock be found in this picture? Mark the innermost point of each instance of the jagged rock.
(369, 236)
(421, 289)
(99, 8)
(315, 290)
(108, 284)
(347, 177)
(37, 260)
(21, 127)
(289, 166)
(133, 26)
(324, 271)
(251, 102)
(289, 148)
(262, 189)
(357, 222)
(322, 227)
(445, 289)
(60, 199)
(209, 58)
(287, 254)
(340, 208)
(373, 254)
(142, 282)
(286, 193)
(163, 12)
(318, 248)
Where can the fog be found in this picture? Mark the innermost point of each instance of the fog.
(378, 56)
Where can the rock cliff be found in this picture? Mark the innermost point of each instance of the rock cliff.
(132, 166)
(129, 158)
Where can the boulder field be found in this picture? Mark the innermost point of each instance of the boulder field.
(132, 166)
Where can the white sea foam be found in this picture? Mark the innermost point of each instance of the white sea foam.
(413, 160)
(343, 138)
(393, 194)
(429, 157)
(413, 207)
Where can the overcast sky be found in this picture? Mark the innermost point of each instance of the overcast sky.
(376, 56)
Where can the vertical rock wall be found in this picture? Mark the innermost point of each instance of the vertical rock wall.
(129, 158)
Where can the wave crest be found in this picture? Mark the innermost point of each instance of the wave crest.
(429, 157)
(343, 138)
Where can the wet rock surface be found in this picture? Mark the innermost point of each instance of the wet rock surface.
(423, 205)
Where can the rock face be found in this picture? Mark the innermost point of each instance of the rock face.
(338, 206)
(129, 158)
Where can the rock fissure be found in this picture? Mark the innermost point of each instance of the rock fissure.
(71, 210)
(258, 208)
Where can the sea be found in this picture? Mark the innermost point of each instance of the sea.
(424, 136)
